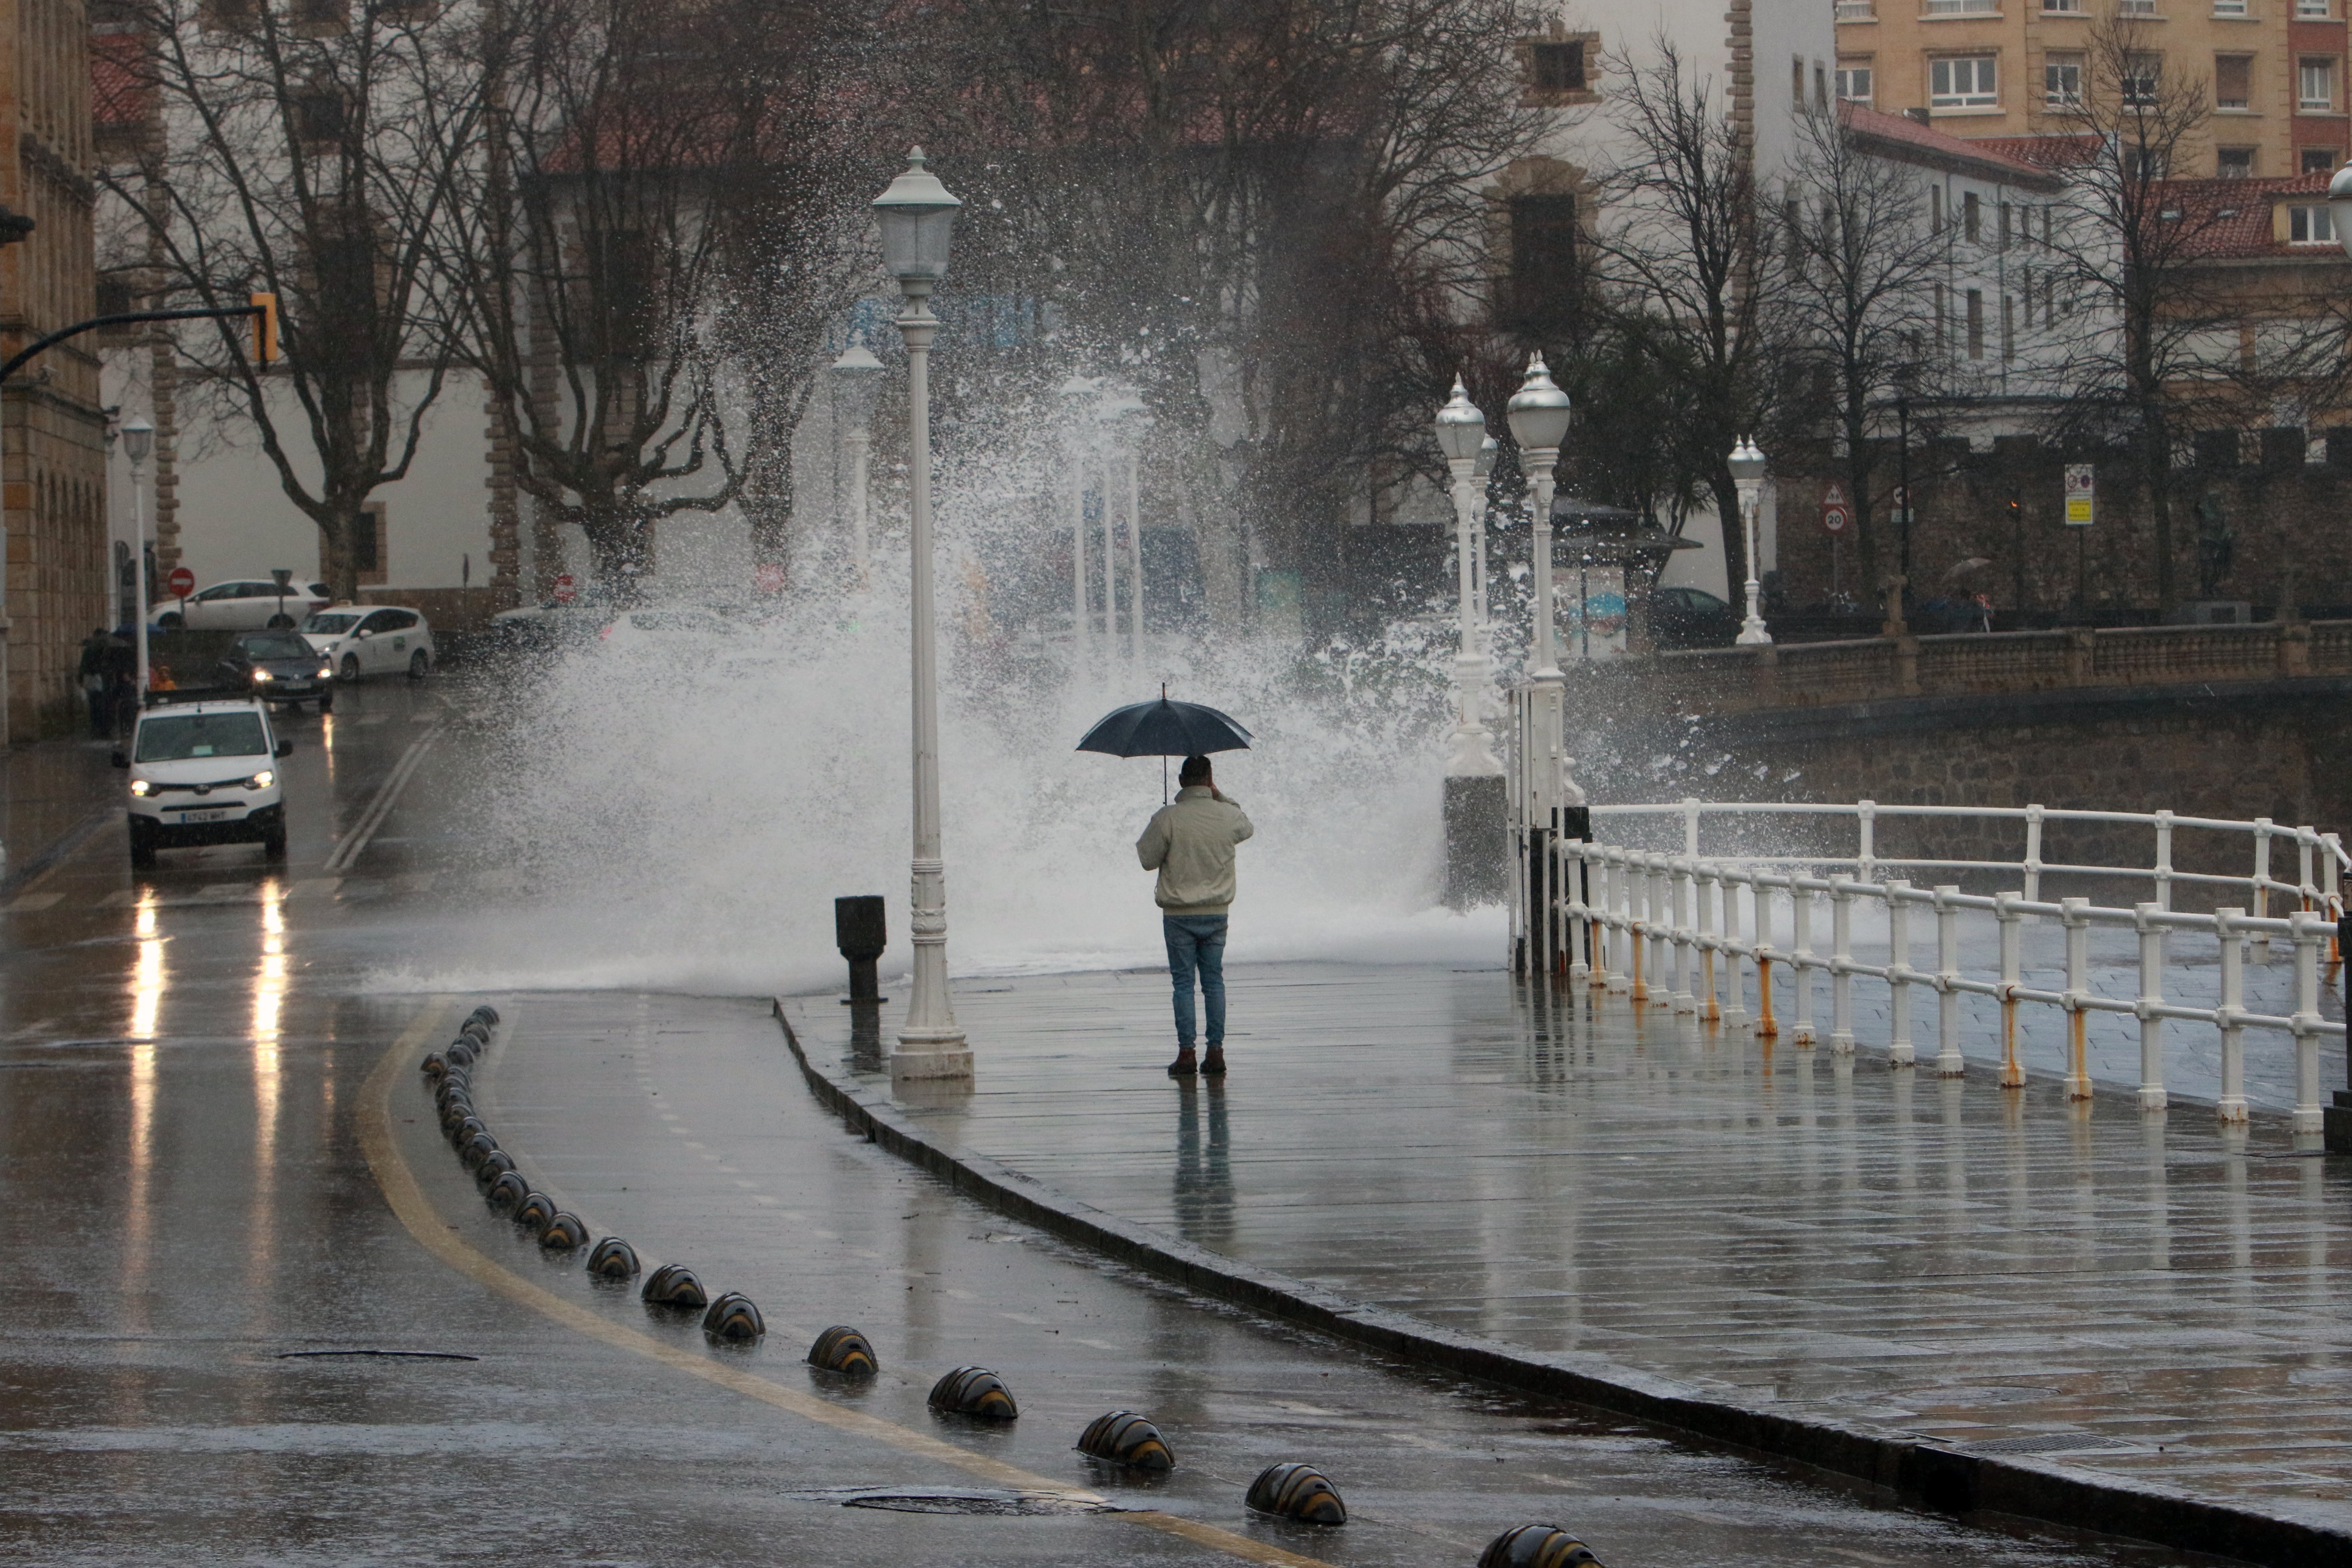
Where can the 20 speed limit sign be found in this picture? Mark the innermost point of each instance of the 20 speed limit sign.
(1836, 516)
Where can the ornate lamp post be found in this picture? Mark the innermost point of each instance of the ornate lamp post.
(1484, 469)
(856, 378)
(1123, 411)
(917, 220)
(1474, 791)
(1077, 394)
(1747, 473)
(138, 442)
(1539, 415)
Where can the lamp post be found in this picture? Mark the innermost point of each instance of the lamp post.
(1747, 473)
(856, 378)
(138, 441)
(1482, 472)
(1075, 395)
(1123, 411)
(1538, 417)
(1474, 791)
(917, 216)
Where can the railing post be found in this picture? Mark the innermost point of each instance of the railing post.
(2033, 861)
(2231, 1106)
(2164, 859)
(1950, 1062)
(2307, 932)
(2005, 910)
(2260, 950)
(1662, 933)
(1572, 856)
(1690, 826)
(1841, 964)
(1900, 1052)
(2151, 996)
(1625, 962)
(1865, 835)
(1598, 868)
(1766, 1025)
(1703, 882)
(1800, 973)
(2304, 837)
(1684, 1001)
(1637, 929)
(2078, 963)
(1735, 1005)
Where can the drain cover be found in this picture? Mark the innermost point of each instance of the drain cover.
(2050, 1443)
(1002, 1502)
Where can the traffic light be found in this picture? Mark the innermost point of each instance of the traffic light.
(265, 329)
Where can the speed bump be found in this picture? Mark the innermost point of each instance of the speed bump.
(1537, 1546)
(508, 1190)
(563, 1233)
(1297, 1491)
(733, 1317)
(1123, 1437)
(496, 1164)
(612, 1259)
(534, 1212)
(674, 1285)
(974, 1391)
(844, 1349)
(477, 1149)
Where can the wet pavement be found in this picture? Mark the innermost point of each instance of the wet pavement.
(219, 1180)
(2154, 1295)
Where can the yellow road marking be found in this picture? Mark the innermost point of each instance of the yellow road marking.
(417, 1214)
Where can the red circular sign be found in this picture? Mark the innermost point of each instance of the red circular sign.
(769, 576)
(565, 589)
(181, 581)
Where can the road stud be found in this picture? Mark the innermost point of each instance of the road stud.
(1123, 1437)
(1537, 1546)
(974, 1391)
(1297, 1491)
(844, 1349)
(612, 1259)
(674, 1285)
(733, 1317)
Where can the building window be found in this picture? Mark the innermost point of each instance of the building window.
(1971, 216)
(2142, 75)
(2313, 225)
(2234, 162)
(2135, 7)
(2062, 8)
(1541, 291)
(1935, 209)
(2004, 226)
(1855, 11)
(2008, 329)
(1559, 67)
(1963, 7)
(2143, 163)
(2311, 10)
(2317, 160)
(1962, 81)
(2061, 80)
(1854, 80)
(2315, 84)
(321, 15)
(1976, 323)
(322, 113)
(2230, 7)
(1821, 86)
(2233, 82)
(370, 547)
(1943, 334)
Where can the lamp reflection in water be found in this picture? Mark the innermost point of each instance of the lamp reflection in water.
(147, 979)
(268, 998)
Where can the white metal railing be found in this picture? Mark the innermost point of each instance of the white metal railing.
(1663, 926)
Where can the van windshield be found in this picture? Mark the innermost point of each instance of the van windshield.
(334, 625)
(180, 736)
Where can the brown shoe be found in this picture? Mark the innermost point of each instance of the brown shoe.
(1183, 1066)
(1214, 1064)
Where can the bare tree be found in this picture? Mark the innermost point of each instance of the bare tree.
(1853, 321)
(315, 155)
(1684, 271)
(653, 246)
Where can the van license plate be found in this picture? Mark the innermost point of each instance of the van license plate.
(212, 813)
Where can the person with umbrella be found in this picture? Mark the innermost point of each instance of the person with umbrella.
(1190, 841)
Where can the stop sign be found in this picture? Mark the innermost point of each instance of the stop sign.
(565, 589)
(181, 581)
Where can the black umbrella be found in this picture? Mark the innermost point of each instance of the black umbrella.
(1165, 729)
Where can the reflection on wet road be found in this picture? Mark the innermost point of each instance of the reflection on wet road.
(188, 1211)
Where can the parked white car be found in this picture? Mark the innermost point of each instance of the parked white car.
(361, 640)
(241, 605)
(205, 771)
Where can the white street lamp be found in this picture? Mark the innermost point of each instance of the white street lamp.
(2339, 207)
(1123, 412)
(1461, 433)
(1487, 450)
(1539, 415)
(856, 379)
(1077, 394)
(138, 442)
(917, 216)
(1747, 473)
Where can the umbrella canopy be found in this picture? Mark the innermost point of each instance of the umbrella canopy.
(1164, 728)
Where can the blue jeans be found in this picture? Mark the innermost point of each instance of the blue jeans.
(1197, 942)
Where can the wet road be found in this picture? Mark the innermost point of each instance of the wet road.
(217, 1161)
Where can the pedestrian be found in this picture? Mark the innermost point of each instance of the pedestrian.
(94, 683)
(1189, 842)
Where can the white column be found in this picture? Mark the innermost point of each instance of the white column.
(1474, 753)
(860, 442)
(1135, 561)
(1081, 631)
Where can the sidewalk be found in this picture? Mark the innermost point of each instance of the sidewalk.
(50, 792)
(2152, 1298)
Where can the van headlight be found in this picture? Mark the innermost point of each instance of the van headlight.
(262, 675)
(262, 779)
(141, 787)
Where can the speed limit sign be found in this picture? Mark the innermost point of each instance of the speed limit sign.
(1836, 516)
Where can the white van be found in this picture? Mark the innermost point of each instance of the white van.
(205, 771)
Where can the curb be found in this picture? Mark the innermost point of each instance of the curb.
(1935, 1477)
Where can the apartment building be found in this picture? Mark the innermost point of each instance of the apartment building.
(2273, 70)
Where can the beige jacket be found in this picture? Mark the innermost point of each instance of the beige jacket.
(1189, 842)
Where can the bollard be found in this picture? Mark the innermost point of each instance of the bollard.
(563, 1233)
(844, 1349)
(2232, 1106)
(474, 1029)
(1950, 1062)
(612, 1259)
(534, 1212)
(508, 1191)
(1123, 1437)
(674, 1285)
(496, 1164)
(862, 934)
(464, 1127)
(1537, 1546)
(1297, 1491)
(1841, 964)
(733, 1317)
(2151, 997)
(974, 1391)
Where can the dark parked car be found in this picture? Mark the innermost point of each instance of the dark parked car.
(1690, 618)
(279, 667)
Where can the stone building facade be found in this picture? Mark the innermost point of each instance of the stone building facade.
(53, 439)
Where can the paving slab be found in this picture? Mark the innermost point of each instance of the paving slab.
(2144, 1296)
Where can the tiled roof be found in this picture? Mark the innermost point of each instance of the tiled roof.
(2050, 152)
(2233, 217)
(1898, 132)
(121, 88)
